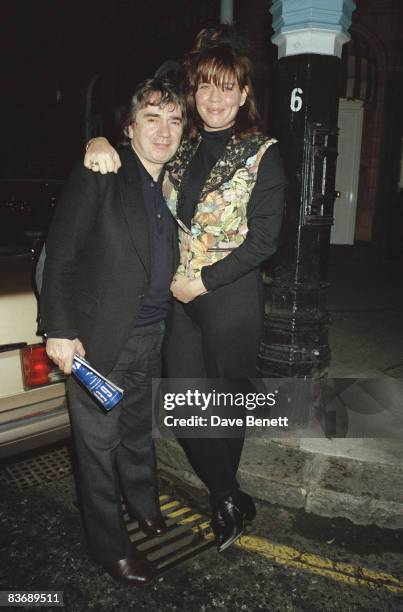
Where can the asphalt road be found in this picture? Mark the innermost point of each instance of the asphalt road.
(289, 561)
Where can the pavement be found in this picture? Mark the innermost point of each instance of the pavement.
(358, 478)
(289, 561)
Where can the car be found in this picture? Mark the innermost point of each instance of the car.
(33, 409)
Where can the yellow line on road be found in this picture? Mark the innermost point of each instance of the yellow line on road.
(292, 557)
(179, 512)
(342, 572)
(190, 519)
(170, 505)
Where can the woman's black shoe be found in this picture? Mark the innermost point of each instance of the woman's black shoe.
(227, 523)
(218, 526)
(246, 506)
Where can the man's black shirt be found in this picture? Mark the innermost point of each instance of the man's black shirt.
(162, 234)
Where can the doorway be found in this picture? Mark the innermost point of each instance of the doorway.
(350, 121)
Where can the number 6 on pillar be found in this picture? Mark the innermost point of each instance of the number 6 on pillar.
(296, 100)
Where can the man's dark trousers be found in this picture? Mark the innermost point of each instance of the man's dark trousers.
(116, 448)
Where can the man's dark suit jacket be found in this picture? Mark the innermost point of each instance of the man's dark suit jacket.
(97, 264)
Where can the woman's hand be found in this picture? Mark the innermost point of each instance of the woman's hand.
(186, 289)
(101, 156)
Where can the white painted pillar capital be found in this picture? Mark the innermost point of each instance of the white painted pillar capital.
(311, 26)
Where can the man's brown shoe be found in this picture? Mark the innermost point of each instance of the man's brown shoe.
(153, 527)
(134, 571)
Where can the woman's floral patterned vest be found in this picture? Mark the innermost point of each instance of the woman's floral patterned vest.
(219, 224)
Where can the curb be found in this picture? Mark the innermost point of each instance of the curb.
(282, 473)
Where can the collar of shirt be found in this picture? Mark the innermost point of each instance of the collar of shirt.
(146, 176)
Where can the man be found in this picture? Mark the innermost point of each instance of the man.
(109, 264)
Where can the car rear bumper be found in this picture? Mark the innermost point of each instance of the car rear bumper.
(33, 418)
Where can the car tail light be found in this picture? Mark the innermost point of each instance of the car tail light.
(37, 368)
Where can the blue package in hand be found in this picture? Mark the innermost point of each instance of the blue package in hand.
(106, 392)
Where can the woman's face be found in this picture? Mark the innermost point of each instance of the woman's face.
(218, 106)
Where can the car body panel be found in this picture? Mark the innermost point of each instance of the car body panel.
(28, 418)
(38, 415)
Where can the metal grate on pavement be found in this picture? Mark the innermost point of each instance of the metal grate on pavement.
(36, 470)
(188, 532)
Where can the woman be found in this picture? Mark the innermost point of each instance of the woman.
(225, 188)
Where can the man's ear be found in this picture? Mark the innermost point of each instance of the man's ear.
(129, 130)
(244, 95)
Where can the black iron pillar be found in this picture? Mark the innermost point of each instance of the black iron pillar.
(295, 342)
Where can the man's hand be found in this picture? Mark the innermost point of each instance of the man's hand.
(62, 351)
(101, 156)
(186, 289)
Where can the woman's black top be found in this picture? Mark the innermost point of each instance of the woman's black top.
(208, 153)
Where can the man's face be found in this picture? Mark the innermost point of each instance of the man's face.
(156, 133)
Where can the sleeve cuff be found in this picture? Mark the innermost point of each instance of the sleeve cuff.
(204, 277)
(66, 334)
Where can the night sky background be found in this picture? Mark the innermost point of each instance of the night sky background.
(49, 51)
